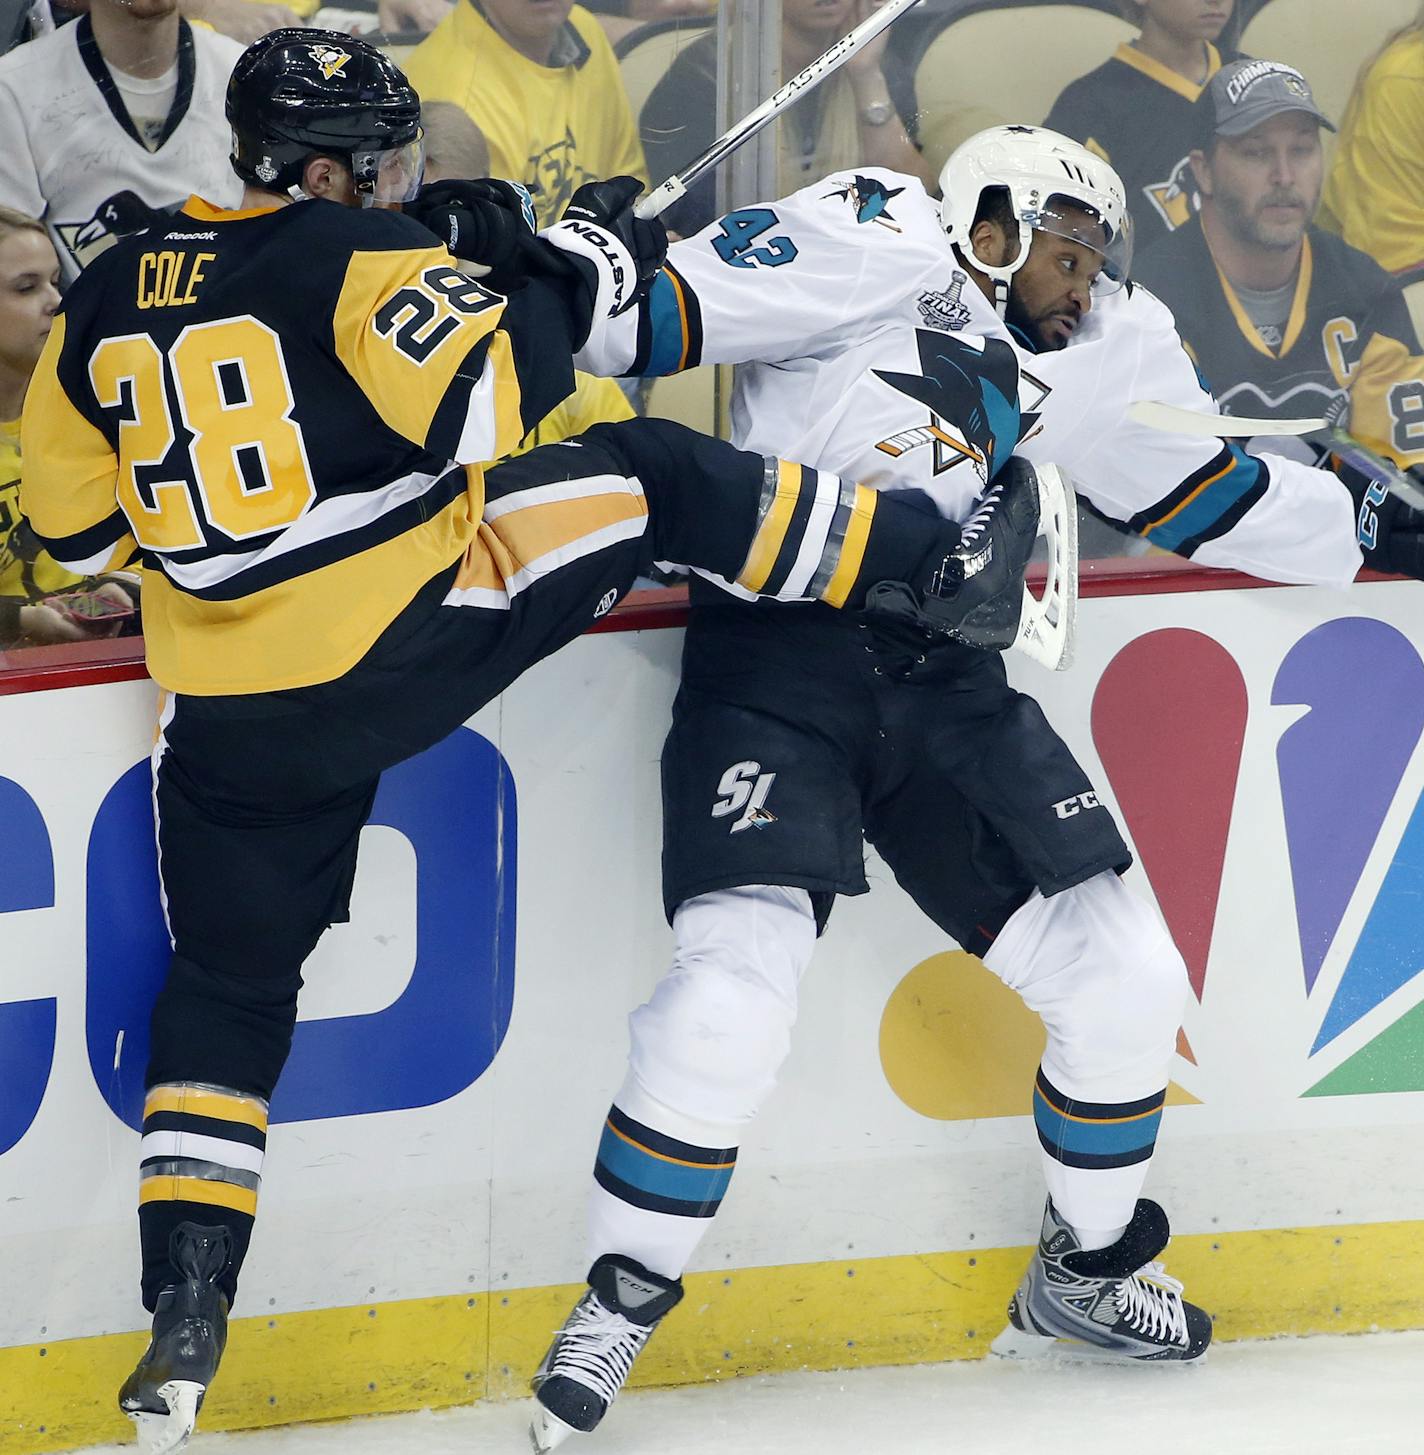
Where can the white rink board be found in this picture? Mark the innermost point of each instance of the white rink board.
(484, 1190)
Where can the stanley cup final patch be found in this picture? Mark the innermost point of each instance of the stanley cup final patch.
(946, 311)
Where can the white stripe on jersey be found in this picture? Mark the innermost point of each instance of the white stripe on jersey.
(207, 1149)
(327, 519)
(580, 489)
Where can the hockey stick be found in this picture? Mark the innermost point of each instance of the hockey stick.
(1174, 420)
(1376, 467)
(666, 193)
(1047, 625)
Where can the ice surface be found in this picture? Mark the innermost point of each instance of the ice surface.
(1322, 1396)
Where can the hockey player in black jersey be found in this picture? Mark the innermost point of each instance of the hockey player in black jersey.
(286, 411)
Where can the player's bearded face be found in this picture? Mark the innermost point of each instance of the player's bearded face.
(1265, 186)
(1051, 294)
(29, 297)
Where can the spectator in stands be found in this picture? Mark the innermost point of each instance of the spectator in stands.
(249, 20)
(1135, 109)
(541, 83)
(1375, 194)
(864, 115)
(29, 297)
(120, 109)
(1284, 319)
(455, 149)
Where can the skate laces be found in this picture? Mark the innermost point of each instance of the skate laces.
(597, 1348)
(1151, 1301)
(978, 523)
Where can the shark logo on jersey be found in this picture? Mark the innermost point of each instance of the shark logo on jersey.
(869, 198)
(1172, 199)
(971, 387)
(332, 59)
(946, 311)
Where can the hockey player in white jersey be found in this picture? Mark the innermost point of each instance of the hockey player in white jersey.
(844, 300)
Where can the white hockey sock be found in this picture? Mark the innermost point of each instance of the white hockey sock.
(1097, 965)
(1091, 1239)
(661, 1242)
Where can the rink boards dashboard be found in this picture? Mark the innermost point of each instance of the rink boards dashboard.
(422, 1213)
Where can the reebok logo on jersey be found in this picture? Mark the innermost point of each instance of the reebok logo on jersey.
(190, 237)
(1072, 807)
(744, 788)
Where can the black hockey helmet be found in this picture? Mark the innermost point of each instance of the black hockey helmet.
(298, 93)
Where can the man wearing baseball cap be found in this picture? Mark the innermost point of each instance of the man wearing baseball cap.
(1284, 319)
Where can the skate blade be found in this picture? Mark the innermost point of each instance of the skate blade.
(547, 1430)
(1015, 1343)
(160, 1434)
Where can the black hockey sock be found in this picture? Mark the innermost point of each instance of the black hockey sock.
(200, 1162)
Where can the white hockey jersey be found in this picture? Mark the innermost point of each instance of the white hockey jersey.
(834, 299)
(70, 145)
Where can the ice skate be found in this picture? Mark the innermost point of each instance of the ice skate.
(591, 1355)
(975, 593)
(165, 1392)
(1112, 1303)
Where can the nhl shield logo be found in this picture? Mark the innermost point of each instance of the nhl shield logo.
(332, 59)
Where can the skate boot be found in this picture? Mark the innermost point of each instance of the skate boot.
(975, 593)
(593, 1352)
(164, 1394)
(1113, 1303)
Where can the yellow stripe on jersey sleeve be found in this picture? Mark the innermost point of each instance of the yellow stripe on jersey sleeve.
(405, 324)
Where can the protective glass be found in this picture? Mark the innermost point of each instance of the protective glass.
(387, 177)
(1074, 220)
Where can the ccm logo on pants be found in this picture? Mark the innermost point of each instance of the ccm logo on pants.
(1069, 807)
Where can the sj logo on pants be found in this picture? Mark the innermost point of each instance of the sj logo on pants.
(744, 788)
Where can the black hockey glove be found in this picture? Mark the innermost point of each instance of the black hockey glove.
(1389, 532)
(487, 223)
(617, 254)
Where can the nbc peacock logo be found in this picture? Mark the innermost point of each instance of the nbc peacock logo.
(1328, 829)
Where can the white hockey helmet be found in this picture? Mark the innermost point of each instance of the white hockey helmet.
(1039, 168)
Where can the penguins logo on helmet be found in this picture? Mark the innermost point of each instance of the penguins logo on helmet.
(331, 59)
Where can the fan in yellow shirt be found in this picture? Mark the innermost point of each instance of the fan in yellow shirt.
(29, 296)
(1375, 195)
(541, 82)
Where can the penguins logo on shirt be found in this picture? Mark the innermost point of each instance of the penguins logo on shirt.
(1172, 199)
(332, 60)
(115, 217)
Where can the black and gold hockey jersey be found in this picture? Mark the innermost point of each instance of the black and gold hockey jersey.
(1348, 350)
(1137, 114)
(267, 406)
